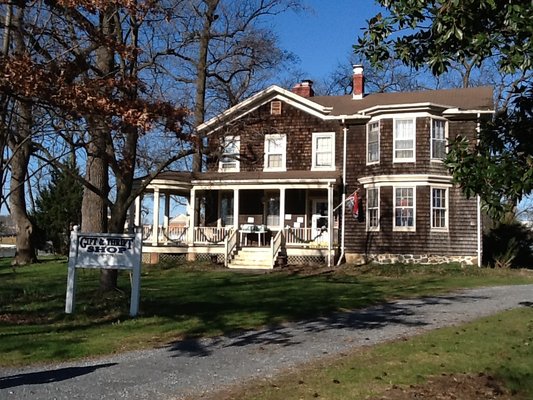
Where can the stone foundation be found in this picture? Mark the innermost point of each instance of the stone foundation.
(354, 258)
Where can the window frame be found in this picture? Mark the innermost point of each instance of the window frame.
(394, 141)
(432, 139)
(275, 107)
(368, 130)
(283, 152)
(369, 208)
(400, 228)
(315, 151)
(446, 208)
(233, 156)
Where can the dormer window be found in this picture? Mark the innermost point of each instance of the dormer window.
(275, 152)
(323, 151)
(275, 107)
(404, 140)
(229, 160)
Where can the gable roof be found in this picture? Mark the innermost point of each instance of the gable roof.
(271, 93)
(475, 99)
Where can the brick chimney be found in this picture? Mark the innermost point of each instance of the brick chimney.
(304, 89)
(358, 82)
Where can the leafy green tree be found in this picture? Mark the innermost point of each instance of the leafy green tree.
(58, 207)
(441, 33)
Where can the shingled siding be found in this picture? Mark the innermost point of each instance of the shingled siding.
(296, 124)
(459, 243)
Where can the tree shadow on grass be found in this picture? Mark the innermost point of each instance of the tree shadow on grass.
(43, 377)
(401, 313)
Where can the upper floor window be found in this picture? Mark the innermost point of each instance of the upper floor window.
(404, 140)
(275, 152)
(229, 160)
(372, 143)
(404, 208)
(438, 139)
(439, 208)
(323, 150)
(372, 209)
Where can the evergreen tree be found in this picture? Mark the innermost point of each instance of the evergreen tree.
(58, 207)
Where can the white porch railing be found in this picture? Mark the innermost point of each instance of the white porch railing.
(293, 237)
(276, 245)
(308, 237)
(210, 235)
(230, 244)
(175, 234)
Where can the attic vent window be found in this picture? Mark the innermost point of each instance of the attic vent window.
(275, 107)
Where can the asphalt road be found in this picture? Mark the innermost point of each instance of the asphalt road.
(194, 367)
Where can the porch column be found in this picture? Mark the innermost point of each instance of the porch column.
(282, 208)
(236, 209)
(191, 209)
(330, 223)
(155, 218)
(138, 201)
(166, 216)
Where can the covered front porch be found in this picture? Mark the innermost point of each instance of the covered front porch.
(246, 222)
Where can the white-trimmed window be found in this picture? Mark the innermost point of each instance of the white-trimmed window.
(372, 209)
(275, 107)
(439, 208)
(438, 139)
(372, 142)
(404, 209)
(323, 150)
(275, 152)
(404, 140)
(229, 159)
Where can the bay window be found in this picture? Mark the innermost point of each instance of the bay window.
(372, 143)
(439, 208)
(404, 140)
(438, 139)
(404, 208)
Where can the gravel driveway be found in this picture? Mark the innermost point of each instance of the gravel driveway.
(194, 367)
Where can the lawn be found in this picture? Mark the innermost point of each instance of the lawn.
(186, 301)
(486, 359)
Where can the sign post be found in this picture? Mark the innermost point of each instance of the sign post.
(104, 251)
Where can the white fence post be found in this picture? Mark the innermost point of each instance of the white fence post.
(70, 301)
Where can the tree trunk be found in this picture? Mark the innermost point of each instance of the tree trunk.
(94, 205)
(21, 149)
(20, 145)
(201, 80)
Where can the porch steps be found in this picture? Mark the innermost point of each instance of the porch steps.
(252, 258)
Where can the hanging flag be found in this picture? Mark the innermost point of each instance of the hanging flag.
(353, 203)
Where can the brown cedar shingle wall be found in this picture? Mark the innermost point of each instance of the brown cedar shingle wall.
(461, 237)
(299, 128)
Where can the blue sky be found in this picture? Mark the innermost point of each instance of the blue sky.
(323, 36)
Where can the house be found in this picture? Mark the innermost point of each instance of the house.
(294, 177)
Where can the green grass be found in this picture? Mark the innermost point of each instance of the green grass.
(184, 301)
(500, 346)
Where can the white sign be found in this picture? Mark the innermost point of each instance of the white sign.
(105, 251)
